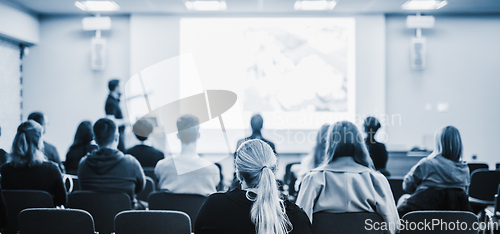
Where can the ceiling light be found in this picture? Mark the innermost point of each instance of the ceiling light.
(423, 4)
(206, 5)
(97, 5)
(314, 5)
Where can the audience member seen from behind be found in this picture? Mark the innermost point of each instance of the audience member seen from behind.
(28, 168)
(377, 150)
(108, 169)
(314, 159)
(187, 172)
(49, 150)
(439, 181)
(347, 181)
(145, 154)
(4, 156)
(258, 207)
(82, 145)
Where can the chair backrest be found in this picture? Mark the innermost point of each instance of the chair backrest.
(496, 211)
(55, 221)
(476, 166)
(220, 186)
(150, 171)
(447, 222)
(18, 200)
(289, 179)
(484, 184)
(152, 222)
(497, 166)
(345, 223)
(188, 203)
(102, 206)
(149, 188)
(396, 187)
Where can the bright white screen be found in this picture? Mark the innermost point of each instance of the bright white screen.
(299, 73)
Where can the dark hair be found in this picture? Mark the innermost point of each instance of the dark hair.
(84, 134)
(104, 130)
(344, 139)
(112, 84)
(256, 122)
(371, 125)
(187, 125)
(26, 148)
(38, 117)
(449, 143)
(319, 149)
(142, 128)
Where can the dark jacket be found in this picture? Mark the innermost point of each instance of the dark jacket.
(51, 153)
(229, 213)
(45, 176)
(107, 170)
(378, 153)
(75, 154)
(146, 155)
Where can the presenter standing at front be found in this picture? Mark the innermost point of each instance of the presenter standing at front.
(114, 112)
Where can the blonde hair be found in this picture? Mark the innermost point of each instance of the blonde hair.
(449, 143)
(27, 145)
(256, 162)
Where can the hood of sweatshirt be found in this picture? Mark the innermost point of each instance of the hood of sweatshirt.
(449, 172)
(103, 160)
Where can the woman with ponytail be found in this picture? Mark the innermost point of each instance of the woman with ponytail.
(347, 180)
(257, 207)
(28, 169)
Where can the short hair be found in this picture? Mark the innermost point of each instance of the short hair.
(38, 117)
(104, 131)
(112, 84)
(142, 128)
(187, 125)
(256, 122)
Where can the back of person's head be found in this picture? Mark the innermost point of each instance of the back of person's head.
(84, 134)
(255, 164)
(344, 139)
(112, 84)
(319, 149)
(26, 148)
(38, 117)
(449, 143)
(256, 122)
(372, 125)
(142, 128)
(188, 128)
(105, 132)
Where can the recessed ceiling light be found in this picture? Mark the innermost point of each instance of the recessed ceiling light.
(423, 4)
(314, 5)
(206, 5)
(97, 5)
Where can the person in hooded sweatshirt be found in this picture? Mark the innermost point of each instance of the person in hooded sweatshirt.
(439, 181)
(108, 169)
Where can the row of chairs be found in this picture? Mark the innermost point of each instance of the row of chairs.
(77, 221)
(102, 206)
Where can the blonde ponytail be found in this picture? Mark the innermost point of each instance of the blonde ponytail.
(255, 162)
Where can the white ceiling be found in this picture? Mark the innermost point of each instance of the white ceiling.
(50, 7)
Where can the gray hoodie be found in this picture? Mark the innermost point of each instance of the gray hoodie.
(436, 171)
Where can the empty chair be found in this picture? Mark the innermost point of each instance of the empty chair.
(476, 166)
(102, 206)
(340, 223)
(152, 222)
(150, 171)
(18, 200)
(289, 179)
(188, 203)
(55, 221)
(149, 188)
(483, 187)
(396, 187)
(448, 219)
